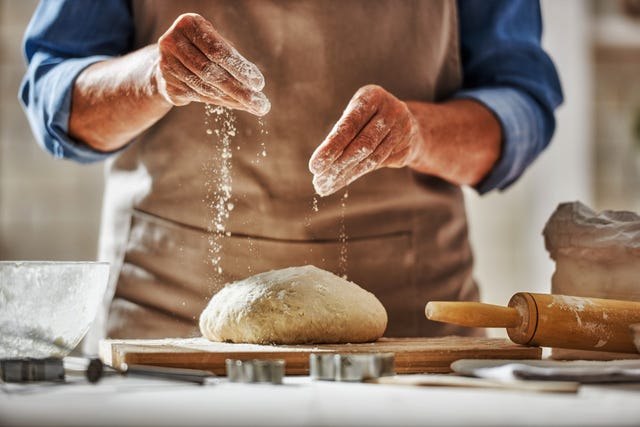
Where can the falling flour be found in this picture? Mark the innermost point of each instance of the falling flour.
(220, 122)
(342, 261)
(343, 237)
(262, 151)
(252, 254)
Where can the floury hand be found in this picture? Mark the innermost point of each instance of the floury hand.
(458, 140)
(115, 100)
(195, 63)
(376, 130)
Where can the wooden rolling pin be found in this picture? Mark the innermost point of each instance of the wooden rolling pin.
(550, 320)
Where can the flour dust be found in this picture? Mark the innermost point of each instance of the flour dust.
(343, 237)
(219, 121)
(262, 151)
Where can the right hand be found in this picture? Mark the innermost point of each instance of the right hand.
(197, 64)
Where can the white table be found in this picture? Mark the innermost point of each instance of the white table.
(119, 401)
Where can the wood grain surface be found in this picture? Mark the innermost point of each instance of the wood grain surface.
(412, 355)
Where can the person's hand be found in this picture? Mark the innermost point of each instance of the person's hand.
(376, 130)
(197, 64)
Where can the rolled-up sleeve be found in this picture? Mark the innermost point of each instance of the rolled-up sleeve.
(62, 39)
(506, 69)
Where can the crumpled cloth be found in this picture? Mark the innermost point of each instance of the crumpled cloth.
(582, 371)
(575, 230)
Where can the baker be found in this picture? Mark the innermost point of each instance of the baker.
(391, 105)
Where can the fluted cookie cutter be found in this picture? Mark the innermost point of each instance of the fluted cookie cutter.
(351, 367)
(255, 371)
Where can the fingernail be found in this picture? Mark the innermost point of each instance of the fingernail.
(315, 166)
(248, 70)
(319, 181)
(255, 77)
(257, 81)
(318, 164)
(322, 185)
(260, 103)
(318, 184)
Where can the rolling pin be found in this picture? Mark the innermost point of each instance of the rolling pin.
(550, 320)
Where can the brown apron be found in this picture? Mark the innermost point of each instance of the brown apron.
(407, 233)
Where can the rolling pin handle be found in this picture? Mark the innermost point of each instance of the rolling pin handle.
(473, 314)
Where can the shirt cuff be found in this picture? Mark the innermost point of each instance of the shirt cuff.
(522, 132)
(55, 110)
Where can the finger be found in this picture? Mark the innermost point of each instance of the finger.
(399, 153)
(190, 90)
(189, 95)
(392, 145)
(215, 76)
(218, 50)
(358, 151)
(364, 144)
(326, 185)
(354, 118)
(178, 72)
(396, 146)
(254, 102)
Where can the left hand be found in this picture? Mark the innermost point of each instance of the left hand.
(376, 130)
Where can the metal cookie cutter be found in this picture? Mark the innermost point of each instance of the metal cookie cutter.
(255, 371)
(351, 367)
(30, 370)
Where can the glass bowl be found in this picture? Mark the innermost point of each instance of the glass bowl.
(46, 307)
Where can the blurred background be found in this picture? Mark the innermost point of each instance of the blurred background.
(50, 209)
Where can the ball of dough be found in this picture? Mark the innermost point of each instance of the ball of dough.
(296, 305)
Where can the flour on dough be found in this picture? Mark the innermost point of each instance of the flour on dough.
(295, 305)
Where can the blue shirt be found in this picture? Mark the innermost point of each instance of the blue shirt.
(504, 68)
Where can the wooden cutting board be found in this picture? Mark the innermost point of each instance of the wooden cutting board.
(412, 355)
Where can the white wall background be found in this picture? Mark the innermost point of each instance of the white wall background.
(49, 209)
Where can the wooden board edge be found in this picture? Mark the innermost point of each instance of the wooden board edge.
(118, 352)
(297, 363)
(105, 352)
